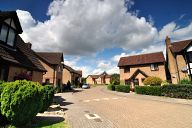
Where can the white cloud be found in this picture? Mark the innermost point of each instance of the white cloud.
(167, 30)
(103, 64)
(84, 27)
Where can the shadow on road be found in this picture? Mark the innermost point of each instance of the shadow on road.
(61, 101)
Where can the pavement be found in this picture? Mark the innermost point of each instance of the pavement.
(100, 108)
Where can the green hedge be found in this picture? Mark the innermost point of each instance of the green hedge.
(111, 87)
(48, 94)
(174, 91)
(21, 101)
(148, 90)
(3, 119)
(122, 88)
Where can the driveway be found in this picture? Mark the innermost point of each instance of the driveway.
(99, 108)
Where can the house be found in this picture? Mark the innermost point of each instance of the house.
(16, 56)
(71, 75)
(103, 78)
(53, 63)
(179, 59)
(134, 69)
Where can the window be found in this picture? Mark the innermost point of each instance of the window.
(154, 67)
(126, 69)
(190, 56)
(47, 81)
(4, 31)
(11, 37)
(7, 35)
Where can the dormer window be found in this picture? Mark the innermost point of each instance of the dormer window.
(7, 34)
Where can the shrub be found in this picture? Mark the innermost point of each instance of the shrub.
(3, 119)
(111, 87)
(21, 101)
(122, 88)
(153, 81)
(174, 91)
(148, 90)
(48, 94)
(177, 91)
(185, 81)
(165, 83)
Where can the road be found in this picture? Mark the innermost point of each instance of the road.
(100, 108)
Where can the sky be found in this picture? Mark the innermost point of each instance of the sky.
(94, 34)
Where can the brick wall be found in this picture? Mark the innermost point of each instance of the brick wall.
(145, 68)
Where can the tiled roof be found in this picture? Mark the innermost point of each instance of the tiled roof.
(142, 59)
(54, 58)
(101, 75)
(72, 70)
(94, 76)
(22, 55)
(137, 72)
(11, 14)
(179, 45)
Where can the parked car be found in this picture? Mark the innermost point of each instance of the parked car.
(85, 86)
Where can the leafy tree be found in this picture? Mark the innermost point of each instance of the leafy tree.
(83, 80)
(115, 79)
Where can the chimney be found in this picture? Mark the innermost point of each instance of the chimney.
(168, 41)
(29, 45)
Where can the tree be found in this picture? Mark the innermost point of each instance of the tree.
(115, 79)
(83, 80)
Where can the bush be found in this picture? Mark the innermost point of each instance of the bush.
(111, 87)
(21, 101)
(48, 94)
(177, 91)
(185, 81)
(148, 90)
(122, 88)
(174, 91)
(165, 83)
(153, 81)
(3, 119)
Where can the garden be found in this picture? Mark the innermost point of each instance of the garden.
(21, 101)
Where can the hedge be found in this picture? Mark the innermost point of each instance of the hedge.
(174, 91)
(148, 90)
(3, 119)
(111, 87)
(48, 94)
(21, 101)
(122, 88)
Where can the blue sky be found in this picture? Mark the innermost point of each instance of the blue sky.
(93, 35)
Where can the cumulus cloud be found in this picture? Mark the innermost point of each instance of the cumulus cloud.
(83, 27)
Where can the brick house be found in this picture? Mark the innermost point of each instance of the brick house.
(71, 75)
(16, 56)
(53, 63)
(134, 69)
(179, 59)
(103, 78)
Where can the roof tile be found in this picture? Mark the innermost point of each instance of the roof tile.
(141, 59)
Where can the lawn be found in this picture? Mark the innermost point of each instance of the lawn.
(46, 124)
(49, 122)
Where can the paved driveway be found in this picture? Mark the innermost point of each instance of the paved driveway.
(100, 108)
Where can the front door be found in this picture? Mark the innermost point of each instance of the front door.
(4, 71)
